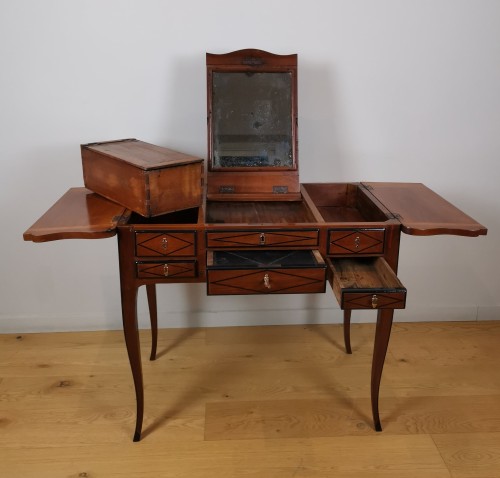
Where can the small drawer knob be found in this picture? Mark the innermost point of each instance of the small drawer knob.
(164, 243)
(357, 242)
(267, 281)
(374, 301)
(165, 270)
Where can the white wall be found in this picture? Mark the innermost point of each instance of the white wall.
(389, 90)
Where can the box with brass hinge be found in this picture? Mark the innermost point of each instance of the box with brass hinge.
(148, 179)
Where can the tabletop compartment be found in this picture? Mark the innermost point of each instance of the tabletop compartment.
(345, 202)
(266, 212)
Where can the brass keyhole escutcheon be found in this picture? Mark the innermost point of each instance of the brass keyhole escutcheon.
(374, 301)
(357, 242)
(165, 270)
(267, 281)
(262, 239)
(164, 243)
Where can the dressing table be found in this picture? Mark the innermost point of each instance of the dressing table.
(257, 229)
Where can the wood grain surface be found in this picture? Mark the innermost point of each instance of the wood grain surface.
(253, 402)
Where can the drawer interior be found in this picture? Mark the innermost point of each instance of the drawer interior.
(367, 282)
(264, 259)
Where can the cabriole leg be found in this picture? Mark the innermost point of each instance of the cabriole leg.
(153, 315)
(382, 335)
(347, 331)
(131, 332)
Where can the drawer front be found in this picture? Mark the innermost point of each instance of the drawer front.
(165, 243)
(373, 300)
(356, 241)
(265, 281)
(264, 238)
(166, 270)
(366, 283)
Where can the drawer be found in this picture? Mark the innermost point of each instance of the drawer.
(265, 272)
(356, 241)
(366, 283)
(165, 243)
(263, 238)
(167, 270)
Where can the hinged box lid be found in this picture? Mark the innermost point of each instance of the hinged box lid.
(143, 155)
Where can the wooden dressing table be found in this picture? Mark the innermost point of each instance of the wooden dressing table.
(257, 229)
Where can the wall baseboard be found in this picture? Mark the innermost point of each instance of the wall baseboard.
(227, 318)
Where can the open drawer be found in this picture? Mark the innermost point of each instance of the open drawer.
(366, 283)
(265, 272)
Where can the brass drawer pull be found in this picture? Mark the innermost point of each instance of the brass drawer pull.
(374, 301)
(164, 243)
(165, 270)
(267, 281)
(357, 241)
(262, 239)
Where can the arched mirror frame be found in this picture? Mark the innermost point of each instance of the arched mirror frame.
(263, 179)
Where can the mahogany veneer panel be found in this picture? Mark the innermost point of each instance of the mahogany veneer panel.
(168, 243)
(78, 214)
(166, 270)
(356, 241)
(422, 212)
(279, 238)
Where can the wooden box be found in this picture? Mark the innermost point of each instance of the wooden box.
(145, 178)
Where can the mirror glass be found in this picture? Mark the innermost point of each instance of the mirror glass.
(252, 119)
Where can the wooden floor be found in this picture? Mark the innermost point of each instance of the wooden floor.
(253, 402)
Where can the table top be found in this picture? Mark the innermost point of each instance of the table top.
(83, 214)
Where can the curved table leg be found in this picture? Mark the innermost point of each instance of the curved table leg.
(347, 331)
(153, 315)
(382, 335)
(131, 332)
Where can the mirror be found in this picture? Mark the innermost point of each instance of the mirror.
(252, 119)
(252, 127)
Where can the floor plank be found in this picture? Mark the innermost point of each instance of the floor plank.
(253, 402)
(471, 455)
